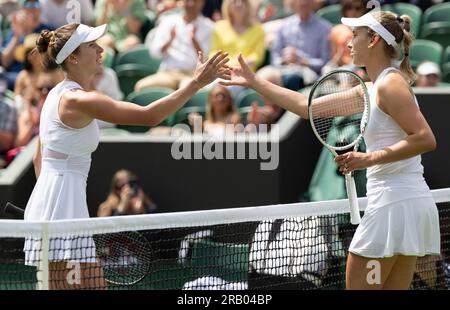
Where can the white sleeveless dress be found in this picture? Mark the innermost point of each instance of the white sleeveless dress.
(60, 190)
(401, 217)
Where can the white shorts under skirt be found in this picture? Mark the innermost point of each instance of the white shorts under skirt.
(408, 227)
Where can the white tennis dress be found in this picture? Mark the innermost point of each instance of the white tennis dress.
(401, 217)
(60, 190)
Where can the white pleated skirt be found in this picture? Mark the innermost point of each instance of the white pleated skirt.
(59, 193)
(408, 227)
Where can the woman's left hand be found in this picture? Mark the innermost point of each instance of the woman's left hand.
(351, 161)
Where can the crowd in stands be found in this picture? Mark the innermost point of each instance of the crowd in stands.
(289, 42)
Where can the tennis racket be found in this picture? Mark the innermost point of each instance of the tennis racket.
(338, 108)
(125, 257)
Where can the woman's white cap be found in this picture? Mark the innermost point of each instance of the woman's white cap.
(81, 35)
(367, 20)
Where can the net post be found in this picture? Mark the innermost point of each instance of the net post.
(42, 273)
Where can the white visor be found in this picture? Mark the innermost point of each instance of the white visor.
(367, 20)
(81, 35)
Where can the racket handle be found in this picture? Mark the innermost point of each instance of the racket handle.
(355, 217)
(13, 210)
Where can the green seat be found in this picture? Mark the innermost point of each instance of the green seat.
(9, 94)
(436, 13)
(446, 73)
(327, 183)
(247, 97)
(138, 55)
(108, 57)
(143, 98)
(409, 9)
(438, 32)
(244, 112)
(446, 57)
(422, 50)
(228, 261)
(332, 13)
(182, 115)
(129, 74)
(114, 132)
(199, 99)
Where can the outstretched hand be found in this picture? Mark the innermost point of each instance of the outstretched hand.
(242, 75)
(208, 70)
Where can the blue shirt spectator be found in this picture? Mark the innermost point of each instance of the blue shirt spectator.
(309, 37)
(23, 22)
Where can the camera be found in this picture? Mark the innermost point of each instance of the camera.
(134, 186)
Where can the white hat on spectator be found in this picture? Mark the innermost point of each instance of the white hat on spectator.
(428, 67)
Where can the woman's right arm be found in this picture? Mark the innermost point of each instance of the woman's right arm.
(37, 159)
(285, 98)
(96, 105)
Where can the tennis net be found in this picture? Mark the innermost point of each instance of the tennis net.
(292, 246)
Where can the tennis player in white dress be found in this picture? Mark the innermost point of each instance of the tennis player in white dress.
(69, 134)
(401, 222)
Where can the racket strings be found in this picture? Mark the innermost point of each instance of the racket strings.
(337, 109)
(125, 257)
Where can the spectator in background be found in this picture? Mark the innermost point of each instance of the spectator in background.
(27, 77)
(220, 111)
(428, 74)
(8, 121)
(301, 47)
(341, 34)
(239, 33)
(164, 6)
(23, 22)
(126, 197)
(124, 18)
(177, 40)
(212, 9)
(33, 100)
(274, 9)
(57, 13)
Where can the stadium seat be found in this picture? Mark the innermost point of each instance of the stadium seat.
(436, 13)
(422, 50)
(409, 9)
(244, 112)
(332, 13)
(182, 115)
(114, 132)
(143, 98)
(138, 55)
(446, 57)
(199, 99)
(438, 32)
(108, 57)
(446, 73)
(226, 260)
(129, 74)
(247, 97)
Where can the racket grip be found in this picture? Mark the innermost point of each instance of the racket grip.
(355, 217)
